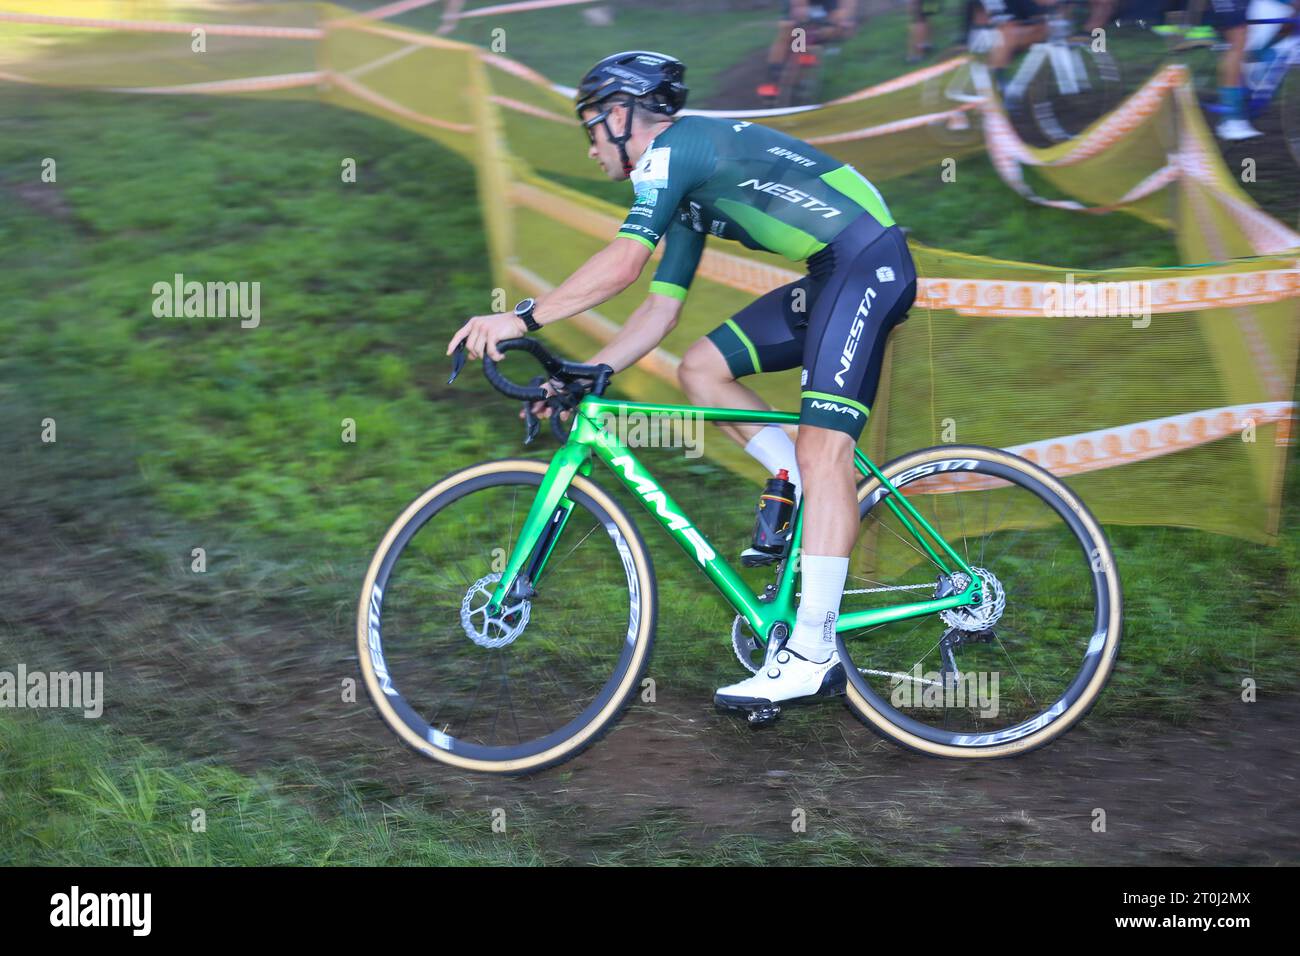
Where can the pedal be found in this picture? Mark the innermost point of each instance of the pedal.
(761, 716)
(753, 558)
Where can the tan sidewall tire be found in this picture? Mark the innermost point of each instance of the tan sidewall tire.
(644, 638)
(882, 725)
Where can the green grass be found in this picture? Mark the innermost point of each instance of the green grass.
(72, 795)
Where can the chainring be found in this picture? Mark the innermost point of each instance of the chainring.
(749, 651)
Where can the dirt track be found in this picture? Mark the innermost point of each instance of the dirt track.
(1221, 793)
(258, 691)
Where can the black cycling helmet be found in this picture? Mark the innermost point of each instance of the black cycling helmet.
(655, 79)
(637, 73)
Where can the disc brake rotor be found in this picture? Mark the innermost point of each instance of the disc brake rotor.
(485, 630)
(982, 616)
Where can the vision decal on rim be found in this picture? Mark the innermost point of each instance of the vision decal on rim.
(375, 643)
(920, 471)
(634, 590)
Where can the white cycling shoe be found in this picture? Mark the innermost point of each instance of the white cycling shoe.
(1235, 129)
(787, 676)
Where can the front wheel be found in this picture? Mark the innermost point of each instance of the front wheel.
(1071, 90)
(535, 684)
(1013, 672)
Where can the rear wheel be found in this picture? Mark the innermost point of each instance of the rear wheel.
(1290, 107)
(1023, 666)
(533, 686)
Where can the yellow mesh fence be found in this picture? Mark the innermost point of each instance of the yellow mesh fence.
(1164, 395)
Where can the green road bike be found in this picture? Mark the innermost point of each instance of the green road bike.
(508, 614)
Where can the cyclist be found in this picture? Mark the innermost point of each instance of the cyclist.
(822, 20)
(1019, 23)
(697, 176)
(1229, 18)
(918, 29)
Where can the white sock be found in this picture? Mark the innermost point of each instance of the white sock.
(819, 605)
(773, 449)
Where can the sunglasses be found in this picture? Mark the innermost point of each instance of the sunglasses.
(590, 125)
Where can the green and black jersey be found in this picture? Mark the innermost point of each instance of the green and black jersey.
(740, 181)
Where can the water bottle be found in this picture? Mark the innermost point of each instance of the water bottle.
(775, 507)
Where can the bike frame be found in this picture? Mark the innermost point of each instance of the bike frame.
(1269, 81)
(590, 438)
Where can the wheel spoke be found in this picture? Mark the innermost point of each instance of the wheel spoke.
(568, 650)
(1032, 583)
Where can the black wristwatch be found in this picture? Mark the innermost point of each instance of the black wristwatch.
(524, 310)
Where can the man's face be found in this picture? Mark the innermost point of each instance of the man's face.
(602, 150)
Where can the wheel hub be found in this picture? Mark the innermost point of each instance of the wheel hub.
(486, 630)
(977, 617)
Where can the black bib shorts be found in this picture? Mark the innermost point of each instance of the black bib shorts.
(834, 322)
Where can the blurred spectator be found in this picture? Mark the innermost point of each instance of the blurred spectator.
(918, 28)
(1019, 25)
(821, 21)
(1229, 18)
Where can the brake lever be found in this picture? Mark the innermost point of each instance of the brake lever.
(457, 362)
(557, 428)
(531, 423)
(566, 400)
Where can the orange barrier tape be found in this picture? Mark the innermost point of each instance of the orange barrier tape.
(531, 110)
(884, 129)
(1193, 152)
(393, 33)
(1139, 441)
(880, 89)
(1003, 141)
(393, 9)
(163, 26)
(1202, 164)
(249, 84)
(1125, 118)
(1265, 368)
(1009, 298)
(391, 57)
(515, 68)
(901, 82)
(345, 82)
(503, 8)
